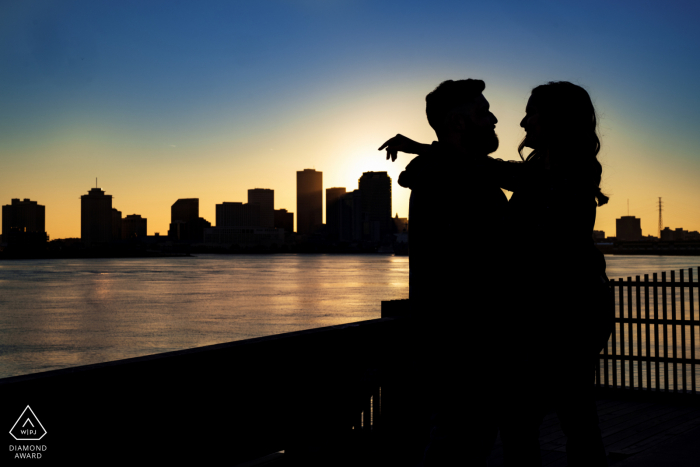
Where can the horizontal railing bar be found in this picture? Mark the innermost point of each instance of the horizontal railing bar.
(624, 283)
(650, 359)
(685, 322)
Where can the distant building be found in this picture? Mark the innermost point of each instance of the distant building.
(266, 199)
(678, 235)
(401, 223)
(598, 235)
(351, 217)
(237, 215)
(309, 201)
(116, 224)
(184, 209)
(284, 220)
(333, 211)
(134, 226)
(185, 223)
(243, 236)
(628, 228)
(376, 205)
(95, 217)
(23, 222)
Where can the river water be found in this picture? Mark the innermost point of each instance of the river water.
(62, 313)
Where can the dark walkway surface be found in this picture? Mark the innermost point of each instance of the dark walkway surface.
(635, 434)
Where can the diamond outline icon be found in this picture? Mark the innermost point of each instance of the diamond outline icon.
(35, 418)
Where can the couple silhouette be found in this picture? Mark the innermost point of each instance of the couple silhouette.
(509, 326)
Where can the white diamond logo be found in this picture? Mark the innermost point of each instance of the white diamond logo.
(28, 427)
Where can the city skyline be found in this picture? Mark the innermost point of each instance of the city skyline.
(163, 102)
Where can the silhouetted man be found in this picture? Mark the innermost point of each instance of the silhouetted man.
(455, 219)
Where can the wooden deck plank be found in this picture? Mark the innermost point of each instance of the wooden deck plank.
(647, 429)
(629, 428)
(663, 435)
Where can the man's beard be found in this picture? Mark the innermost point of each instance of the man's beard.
(491, 143)
(486, 143)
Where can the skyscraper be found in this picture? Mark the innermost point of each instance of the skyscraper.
(185, 209)
(23, 222)
(351, 217)
(309, 201)
(334, 211)
(185, 223)
(266, 199)
(95, 217)
(376, 204)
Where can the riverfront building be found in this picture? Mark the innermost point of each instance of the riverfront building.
(237, 215)
(351, 217)
(184, 209)
(376, 205)
(243, 236)
(116, 224)
(679, 235)
(309, 201)
(95, 217)
(628, 228)
(334, 198)
(185, 223)
(23, 222)
(266, 199)
(134, 226)
(400, 223)
(284, 220)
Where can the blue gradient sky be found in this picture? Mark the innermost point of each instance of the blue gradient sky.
(168, 100)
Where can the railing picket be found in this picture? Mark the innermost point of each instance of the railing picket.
(613, 345)
(367, 414)
(630, 332)
(646, 328)
(637, 285)
(376, 408)
(685, 380)
(693, 323)
(665, 330)
(674, 333)
(656, 333)
(622, 334)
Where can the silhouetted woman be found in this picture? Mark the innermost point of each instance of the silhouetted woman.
(562, 307)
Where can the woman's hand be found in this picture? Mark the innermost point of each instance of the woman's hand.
(403, 144)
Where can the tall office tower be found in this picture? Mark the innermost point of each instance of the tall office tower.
(23, 222)
(376, 204)
(628, 228)
(309, 201)
(284, 220)
(351, 217)
(116, 224)
(266, 199)
(95, 217)
(185, 223)
(333, 211)
(237, 215)
(134, 226)
(185, 209)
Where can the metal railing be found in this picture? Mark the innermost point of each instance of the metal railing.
(654, 344)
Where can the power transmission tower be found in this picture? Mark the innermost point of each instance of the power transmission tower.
(661, 220)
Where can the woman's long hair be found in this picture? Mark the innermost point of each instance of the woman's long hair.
(569, 131)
